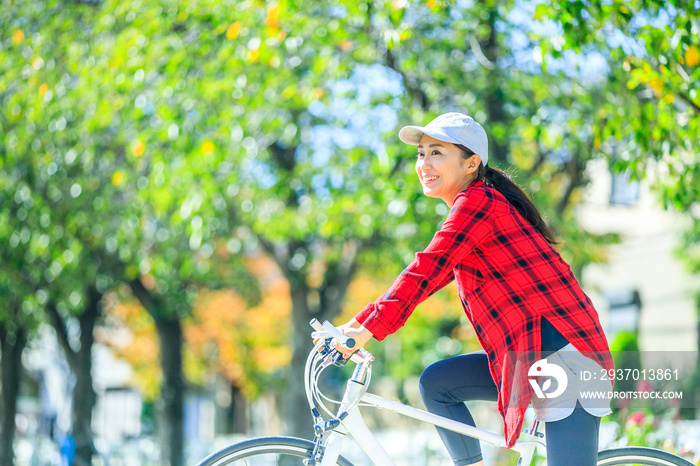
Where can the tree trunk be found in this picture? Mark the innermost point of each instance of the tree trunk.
(297, 412)
(12, 343)
(239, 411)
(495, 99)
(80, 362)
(695, 394)
(172, 389)
(84, 396)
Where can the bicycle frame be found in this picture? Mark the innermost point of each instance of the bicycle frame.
(348, 419)
(354, 424)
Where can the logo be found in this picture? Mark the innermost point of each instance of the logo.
(551, 371)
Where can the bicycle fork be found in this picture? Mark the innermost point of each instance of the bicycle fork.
(349, 420)
(354, 424)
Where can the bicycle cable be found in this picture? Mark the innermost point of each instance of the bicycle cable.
(317, 362)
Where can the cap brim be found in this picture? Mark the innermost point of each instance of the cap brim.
(412, 134)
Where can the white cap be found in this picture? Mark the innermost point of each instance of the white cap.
(455, 128)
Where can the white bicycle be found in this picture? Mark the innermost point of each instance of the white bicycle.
(325, 449)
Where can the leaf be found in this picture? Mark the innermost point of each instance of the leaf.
(692, 56)
(118, 178)
(17, 37)
(207, 147)
(137, 148)
(272, 18)
(233, 30)
(541, 11)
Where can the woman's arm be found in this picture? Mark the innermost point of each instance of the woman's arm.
(469, 222)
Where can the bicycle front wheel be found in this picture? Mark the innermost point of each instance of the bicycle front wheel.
(265, 451)
(639, 456)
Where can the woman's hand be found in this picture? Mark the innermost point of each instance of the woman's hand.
(353, 329)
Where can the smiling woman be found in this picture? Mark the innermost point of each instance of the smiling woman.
(442, 170)
(516, 290)
(446, 165)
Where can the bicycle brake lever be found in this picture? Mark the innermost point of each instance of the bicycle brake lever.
(339, 360)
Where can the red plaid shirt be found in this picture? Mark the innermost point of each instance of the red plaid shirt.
(508, 277)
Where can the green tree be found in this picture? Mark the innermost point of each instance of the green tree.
(104, 133)
(649, 124)
(18, 316)
(175, 122)
(325, 190)
(13, 339)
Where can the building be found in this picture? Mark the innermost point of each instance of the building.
(643, 286)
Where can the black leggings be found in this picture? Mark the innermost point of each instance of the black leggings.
(447, 384)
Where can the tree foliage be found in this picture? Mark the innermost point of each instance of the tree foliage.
(110, 166)
(650, 124)
(150, 144)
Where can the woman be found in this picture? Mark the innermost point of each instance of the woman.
(520, 296)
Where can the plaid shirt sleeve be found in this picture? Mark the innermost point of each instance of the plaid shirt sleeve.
(468, 224)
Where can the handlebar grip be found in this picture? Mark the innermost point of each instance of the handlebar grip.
(345, 341)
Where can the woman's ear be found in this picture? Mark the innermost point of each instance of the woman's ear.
(473, 162)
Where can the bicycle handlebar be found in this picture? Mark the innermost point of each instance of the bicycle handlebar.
(345, 341)
(323, 355)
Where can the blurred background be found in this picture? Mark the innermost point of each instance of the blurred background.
(184, 184)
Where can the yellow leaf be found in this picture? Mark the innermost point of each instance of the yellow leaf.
(624, 10)
(118, 178)
(233, 30)
(345, 45)
(253, 55)
(669, 99)
(207, 147)
(273, 12)
(17, 36)
(43, 89)
(318, 93)
(656, 85)
(432, 3)
(137, 148)
(692, 55)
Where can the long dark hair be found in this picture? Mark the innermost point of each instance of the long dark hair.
(502, 182)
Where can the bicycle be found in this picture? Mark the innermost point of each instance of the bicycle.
(325, 449)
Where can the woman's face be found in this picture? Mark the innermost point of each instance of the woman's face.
(442, 170)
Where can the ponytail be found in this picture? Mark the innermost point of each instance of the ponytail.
(501, 182)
